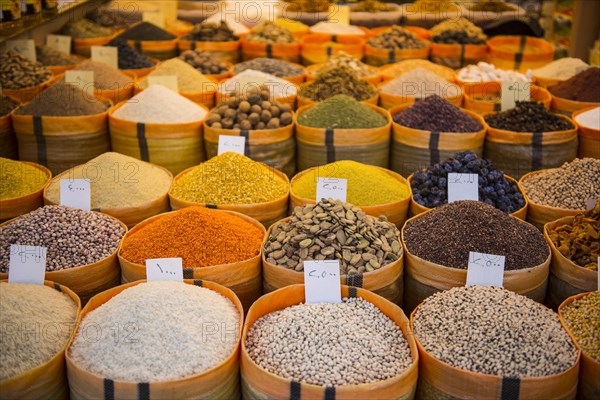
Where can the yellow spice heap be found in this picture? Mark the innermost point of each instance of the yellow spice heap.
(291, 25)
(367, 185)
(230, 178)
(18, 179)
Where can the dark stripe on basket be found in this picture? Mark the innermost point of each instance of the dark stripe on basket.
(352, 292)
(246, 133)
(57, 287)
(188, 273)
(143, 391)
(295, 390)
(510, 389)
(269, 50)
(109, 389)
(38, 131)
(434, 147)
(355, 280)
(329, 147)
(519, 54)
(198, 282)
(142, 141)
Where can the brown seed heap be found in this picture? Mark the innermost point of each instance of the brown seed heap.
(340, 80)
(582, 317)
(333, 230)
(211, 32)
(204, 62)
(17, 72)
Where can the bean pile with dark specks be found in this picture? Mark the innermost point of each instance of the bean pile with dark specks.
(329, 344)
(493, 331)
(447, 234)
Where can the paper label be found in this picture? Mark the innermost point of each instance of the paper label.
(106, 54)
(485, 269)
(513, 92)
(331, 188)
(59, 42)
(340, 14)
(463, 187)
(75, 193)
(231, 143)
(84, 80)
(322, 281)
(25, 48)
(27, 264)
(155, 17)
(164, 269)
(168, 81)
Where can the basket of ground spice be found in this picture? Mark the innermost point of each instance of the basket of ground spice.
(86, 34)
(151, 40)
(575, 250)
(431, 130)
(132, 62)
(342, 128)
(457, 42)
(266, 124)
(486, 98)
(580, 316)
(519, 52)
(60, 137)
(48, 314)
(418, 83)
(390, 198)
(580, 91)
(561, 192)
(430, 185)
(21, 78)
(56, 61)
(159, 126)
(191, 83)
(588, 124)
(271, 41)
(217, 245)
(373, 13)
(231, 181)
(280, 90)
(8, 140)
(362, 71)
(437, 245)
(336, 81)
(331, 230)
(214, 38)
(121, 186)
(297, 28)
(155, 319)
(207, 64)
(22, 186)
(529, 138)
(373, 326)
(395, 44)
(484, 326)
(289, 71)
(559, 71)
(319, 47)
(81, 246)
(392, 71)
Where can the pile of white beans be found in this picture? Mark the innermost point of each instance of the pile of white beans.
(484, 72)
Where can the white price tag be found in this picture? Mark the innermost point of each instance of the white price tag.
(485, 269)
(25, 48)
(164, 269)
(513, 92)
(463, 187)
(27, 264)
(168, 81)
(84, 80)
(156, 17)
(75, 193)
(231, 143)
(591, 204)
(322, 281)
(59, 42)
(106, 54)
(331, 188)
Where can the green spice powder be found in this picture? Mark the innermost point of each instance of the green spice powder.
(341, 112)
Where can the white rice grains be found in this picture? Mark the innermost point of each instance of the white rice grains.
(157, 331)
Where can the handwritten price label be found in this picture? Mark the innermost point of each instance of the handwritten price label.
(513, 92)
(61, 43)
(168, 81)
(231, 143)
(25, 48)
(164, 269)
(485, 269)
(332, 188)
(463, 187)
(27, 264)
(75, 193)
(106, 54)
(322, 281)
(84, 80)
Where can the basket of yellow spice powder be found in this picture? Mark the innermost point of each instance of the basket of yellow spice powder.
(216, 245)
(377, 191)
(22, 184)
(231, 181)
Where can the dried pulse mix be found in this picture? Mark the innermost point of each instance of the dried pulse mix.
(419, 83)
(342, 59)
(336, 81)
(204, 62)
(200, 236)
(582, 318)
(18, 72)
(457, 31)
(189, 79)
(211, 32)
(272, 66)
(397, 38)
(230, 178)
(359, 176)
(270, 33)
(341, 112)
(85, 29)
(18, 179)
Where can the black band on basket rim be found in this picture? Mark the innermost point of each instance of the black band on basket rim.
(109, 389)
(269, 50)
(462, 55)
(38, 131)
(392, 56)
(497, 107)
(142, 141)
(188, 273)
(519, 54)
(198, 282)
(143, 391)
(330, 393)
(537, 150)
(352, 292)
(138, 45)
(510, 389)
(434, 147)
(97, 209)
(329, 146)
(355, 280)
(295, 388)
(329, 51)
(193, 45)
(246, 133)
(334, 38)
(211, 206)
(57, 287)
